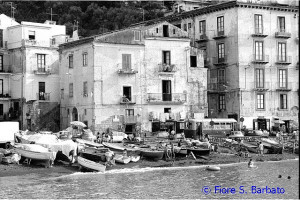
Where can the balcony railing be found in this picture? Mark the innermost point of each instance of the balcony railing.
(6, 69)
(162, 98)
(164, 68)
(284, 86)
(284, 60)
(42, 70)
(259, 86)
(220, 61)
(282, 34)
(217, 87)
(219, 35)
(261, 59)
(40, 43)
(202, 38)
(127, 71)
(258, 33)
(128, 100)
(43, 96)
(5, 96)
(130, 119)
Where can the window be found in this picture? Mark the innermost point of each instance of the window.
(1, 87)
(126, 94)
(41, 62)
(202, 27)
(1, 110)
(174, 31)
(221, 76)
(85, 112)
(189, 26)
(221, 52)
(166, 90)
(220, 25)
(281, 52)
(283, 101)
(282, 78)
(31, 35)
(258, 24)
(259, 50)
(126, 61)
(1, 38)
(193, 60)
(184, 27)
(129, 112)
(71, 90)
(281, 24)
(259, 78)
(42, 90)
(1, 63)
(71, 61)
(84, 59)
(166, 57)
(167, 110)
(222, 102)
(53, 41)
(137, 35)
(165, 31)
(156, 30)
(85, 89)
(62, 93)
(260, 100)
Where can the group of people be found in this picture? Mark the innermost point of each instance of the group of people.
(106, 136)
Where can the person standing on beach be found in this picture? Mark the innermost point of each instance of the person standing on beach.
(261, 148)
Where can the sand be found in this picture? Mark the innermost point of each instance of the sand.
(215, 158)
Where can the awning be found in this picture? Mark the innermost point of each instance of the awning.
(278, 121)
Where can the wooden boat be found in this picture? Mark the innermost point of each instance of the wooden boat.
(272, 146)
(180, 151)
(213, 168)
(36, 155)
(88, 143)
(198, 151)
(152, 154)
(113, 147)
(122, 159)
(121, 148)
(250, 147)
(90, 164)
(134, 158)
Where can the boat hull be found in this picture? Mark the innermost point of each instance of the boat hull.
(91, 164)
(198, 152)
(153, 155)
(36, 155)
(213, 168)
(122, 159)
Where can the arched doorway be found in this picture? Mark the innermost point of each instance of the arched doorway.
(74, 114)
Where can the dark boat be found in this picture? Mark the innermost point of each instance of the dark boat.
(198, 151)
(152, 154)
(250, 147)
(94, 154)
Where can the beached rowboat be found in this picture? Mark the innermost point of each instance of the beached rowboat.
(122, 159)
(89, 143)
(134, 158)
(152, 154)
(36, 155)
(198, 151)
(213, 168)
(91, 164)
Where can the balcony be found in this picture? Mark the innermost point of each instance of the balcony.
(42, 71)
(166, 69)
(160, 98)
(219, 35)
(202, 38)
(6, 69)
(260, 86)
(220, 61)
(284, 60)
(5, 96)
(130, 119)
(258, 33)
(217, 88)
(284, 86)
(282, 34)
(260, 59)
(39, 43)
(128, 100)
(43, 96)
(127, 71)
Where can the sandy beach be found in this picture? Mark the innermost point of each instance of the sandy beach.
(214, 158)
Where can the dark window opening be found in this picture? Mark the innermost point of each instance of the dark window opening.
(42, 90)
(1, 109)
(167, 110)
(193, 61)
(166, 90)
(165, 31)
(166, 57)
(127, 93)
(31, 35)
(178, 25)
(129, 112)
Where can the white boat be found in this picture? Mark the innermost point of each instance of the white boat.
(88, 143)
(251, 166)
(90, 164)
(36, 155)
(113, 146)
(134, 158)
(122, 159)
(213, 168)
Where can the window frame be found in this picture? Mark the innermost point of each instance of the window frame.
(85, 89)
(202, 27)
(221, 76)
(62, 93)
(282, 78)
(281, 21)
(30, 35)
(220, 24)
(126, 62)
(166, 57)
(137, 35)
(1, 63)
(259, 78)
(193, 60)
(41, 62)
(221, 51)
(260, 102)
(84, 59)
(1, 86)
(129, 112)
(71, 61)
(259, 50)
(258, 24)
(283, 102)
(222, 102)
(281, 52)
(71, 90)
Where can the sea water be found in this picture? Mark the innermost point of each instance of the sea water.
(232, 181)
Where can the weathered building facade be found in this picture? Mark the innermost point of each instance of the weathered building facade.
(32, 60)
(143, 77)
(251, 52)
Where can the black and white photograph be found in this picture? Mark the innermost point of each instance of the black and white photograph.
(134, 99)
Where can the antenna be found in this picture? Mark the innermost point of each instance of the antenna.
(75, 25)
(51, 14)
(12, 10)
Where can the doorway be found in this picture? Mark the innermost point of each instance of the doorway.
(165, 31)
(166, 90)
(42, 90)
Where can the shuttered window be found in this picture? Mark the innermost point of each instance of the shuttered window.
(126, 61)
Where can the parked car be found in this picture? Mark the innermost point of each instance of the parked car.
(236, 134)
(119, 136)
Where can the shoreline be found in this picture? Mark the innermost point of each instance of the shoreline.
(63, 168)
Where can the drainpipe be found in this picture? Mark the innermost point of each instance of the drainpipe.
(93, 91)
(22, 88)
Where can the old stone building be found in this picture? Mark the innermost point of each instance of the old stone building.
(251, 53)
(145, 76)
